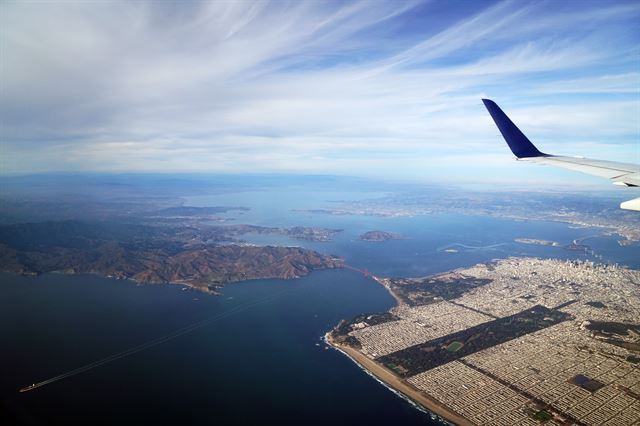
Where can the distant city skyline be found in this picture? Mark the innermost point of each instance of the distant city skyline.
(362, 88)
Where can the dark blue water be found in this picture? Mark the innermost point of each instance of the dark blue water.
(266, 362)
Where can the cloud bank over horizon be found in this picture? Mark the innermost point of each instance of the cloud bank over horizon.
(362, 88)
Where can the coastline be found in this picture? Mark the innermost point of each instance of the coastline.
(399, 302)
(403, 388)
(208, 287)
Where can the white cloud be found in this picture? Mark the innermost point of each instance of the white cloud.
(316, 86)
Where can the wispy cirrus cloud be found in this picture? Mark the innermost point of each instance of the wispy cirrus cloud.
(331, 87)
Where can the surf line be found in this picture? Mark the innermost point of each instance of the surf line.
(157, 341)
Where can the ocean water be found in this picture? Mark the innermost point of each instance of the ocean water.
(259, 358)
(263, 362)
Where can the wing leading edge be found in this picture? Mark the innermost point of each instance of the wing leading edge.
(624, 174)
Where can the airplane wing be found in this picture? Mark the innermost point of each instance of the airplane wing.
(624, 174)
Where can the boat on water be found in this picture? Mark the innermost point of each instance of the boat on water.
(28, 388)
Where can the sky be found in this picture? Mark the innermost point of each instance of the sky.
(386, 89)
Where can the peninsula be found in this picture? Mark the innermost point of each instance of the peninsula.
(518, 341)
(204, 258)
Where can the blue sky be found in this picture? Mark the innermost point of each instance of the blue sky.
(369, 88)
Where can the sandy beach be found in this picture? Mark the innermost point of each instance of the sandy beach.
(400, 385)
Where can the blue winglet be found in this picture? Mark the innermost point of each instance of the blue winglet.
(517, 141)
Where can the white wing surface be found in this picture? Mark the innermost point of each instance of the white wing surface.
(624, 174)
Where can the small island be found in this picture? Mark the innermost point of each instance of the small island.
(536, 242)
(379, 236)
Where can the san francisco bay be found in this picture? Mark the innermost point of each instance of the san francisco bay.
(268, 353)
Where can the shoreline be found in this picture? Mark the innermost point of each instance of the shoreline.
(399, 386)
(213, 289)
(399, 302)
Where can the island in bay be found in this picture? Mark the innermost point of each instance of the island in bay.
(536, 241)
(379, 236)
(517, 341)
